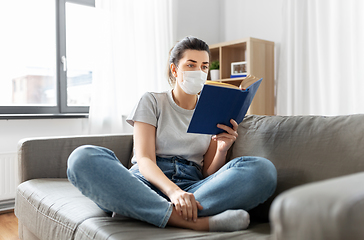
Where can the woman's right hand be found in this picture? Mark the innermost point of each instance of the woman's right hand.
(185, 204)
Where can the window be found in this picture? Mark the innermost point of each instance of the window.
(46, 56)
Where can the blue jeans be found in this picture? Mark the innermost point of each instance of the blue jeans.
(242, 183)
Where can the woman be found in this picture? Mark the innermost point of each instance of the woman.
(178, 179)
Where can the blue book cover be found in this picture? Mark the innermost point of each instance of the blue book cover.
(219, 104)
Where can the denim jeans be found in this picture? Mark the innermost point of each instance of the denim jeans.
(242, 183)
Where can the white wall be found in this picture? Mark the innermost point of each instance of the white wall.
(199, 18)
(217, 21)
(11, 131)
(252, 18)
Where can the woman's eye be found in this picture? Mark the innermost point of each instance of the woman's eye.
(190, 65)
(205, 67)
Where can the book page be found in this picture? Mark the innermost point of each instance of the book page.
(220, 84)
(245, 83)
(249, 80)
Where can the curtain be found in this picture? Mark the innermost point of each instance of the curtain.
(321, 68)
(133, 39)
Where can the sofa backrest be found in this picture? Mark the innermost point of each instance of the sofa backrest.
(304, 149)
(46, 157)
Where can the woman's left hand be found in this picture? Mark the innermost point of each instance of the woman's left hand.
(226, 139)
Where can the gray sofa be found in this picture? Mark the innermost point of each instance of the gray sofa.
(320, 192)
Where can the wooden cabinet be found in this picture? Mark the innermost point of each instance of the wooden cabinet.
(259, 57)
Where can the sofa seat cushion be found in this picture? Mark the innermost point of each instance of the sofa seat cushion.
(103, 228)
(53, 208)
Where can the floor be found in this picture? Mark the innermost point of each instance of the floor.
(8, 226)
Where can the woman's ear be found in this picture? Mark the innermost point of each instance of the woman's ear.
(173, 69)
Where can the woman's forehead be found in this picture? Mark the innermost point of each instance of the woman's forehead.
(195, 55)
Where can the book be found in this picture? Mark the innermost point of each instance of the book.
(237, 76)
(220, 102)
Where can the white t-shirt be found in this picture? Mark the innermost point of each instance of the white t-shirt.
(171, 122)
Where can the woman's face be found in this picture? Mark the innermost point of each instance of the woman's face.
(192, 60)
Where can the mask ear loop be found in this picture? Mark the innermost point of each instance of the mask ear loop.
(175, 71)
(181, 72)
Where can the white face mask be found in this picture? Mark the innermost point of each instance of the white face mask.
(193, 81)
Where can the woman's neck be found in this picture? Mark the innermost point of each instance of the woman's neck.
(183, 99)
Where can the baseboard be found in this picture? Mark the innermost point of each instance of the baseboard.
(7, 205)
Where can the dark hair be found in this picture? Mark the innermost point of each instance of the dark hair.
(176, 53)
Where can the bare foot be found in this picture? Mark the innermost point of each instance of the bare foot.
(176, 220)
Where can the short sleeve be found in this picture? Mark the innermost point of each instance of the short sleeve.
(144, 111)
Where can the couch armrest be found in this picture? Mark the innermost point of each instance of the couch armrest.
(331, 209)
(47, 157)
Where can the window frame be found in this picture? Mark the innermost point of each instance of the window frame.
(61, 76)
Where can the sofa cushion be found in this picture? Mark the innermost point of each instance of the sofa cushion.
(53, 208)
(102, 228)
(304, 149)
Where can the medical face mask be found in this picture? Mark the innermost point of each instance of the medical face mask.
(193, 81)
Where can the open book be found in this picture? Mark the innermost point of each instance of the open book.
(220, 102)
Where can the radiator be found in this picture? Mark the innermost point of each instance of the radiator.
(8, 175)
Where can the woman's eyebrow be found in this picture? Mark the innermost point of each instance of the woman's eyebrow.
(196, 61)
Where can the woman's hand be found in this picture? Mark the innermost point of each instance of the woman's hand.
(185, 204)
(226, 139)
